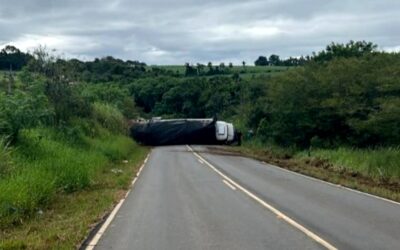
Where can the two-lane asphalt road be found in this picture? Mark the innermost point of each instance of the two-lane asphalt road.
(189, 200)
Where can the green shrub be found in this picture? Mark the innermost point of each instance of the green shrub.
(317, 142)
(22, 110)
(109, 117)
(263, 130)
(111, 93)
(66, 101)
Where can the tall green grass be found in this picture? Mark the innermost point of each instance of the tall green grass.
(47, 161)
(109, 117)
(273, 149)
(377, 163)
(5, 157)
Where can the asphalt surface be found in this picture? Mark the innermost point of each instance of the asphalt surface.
(179, 202)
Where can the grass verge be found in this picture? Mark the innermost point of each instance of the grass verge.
(59, 189)
(382, 164)
(371, 171)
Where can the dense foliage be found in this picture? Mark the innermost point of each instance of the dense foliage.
(12, 58)
(345, 101)
(333, 50)
(351, 101)
(208, 70)
(274, 60)
(347, 94)
(57, 115)
(348, 50)
(191, 97)
(56, 135)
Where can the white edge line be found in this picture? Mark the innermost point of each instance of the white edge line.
(271, 208)
(331, 184)
(228, 184)
(201, 162)
(110, 218)
(189, 148)
(103, 228)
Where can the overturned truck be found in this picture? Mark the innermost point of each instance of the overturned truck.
(184, 131)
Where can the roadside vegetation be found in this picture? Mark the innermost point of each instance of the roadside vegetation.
(60, 214)
(382, 164)
(340, 107)
(334, 115)
(65, 155)
(354, 174)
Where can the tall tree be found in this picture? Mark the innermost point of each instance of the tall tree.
(261, 61)
(350, 49)
(200, 69)
(274, 60)
(12, 57)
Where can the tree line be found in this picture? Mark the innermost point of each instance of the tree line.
(208, 70)
(11, 58)
(275, 60)
(352, 101)
(333, 50)
(347, 94)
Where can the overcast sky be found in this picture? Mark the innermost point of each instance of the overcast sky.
(175, 32)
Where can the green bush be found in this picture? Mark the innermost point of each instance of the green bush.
(22, 110)
(66, 100)
(263, 129)
(109, 117)
(317, 142)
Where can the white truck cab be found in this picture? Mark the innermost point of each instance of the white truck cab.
(225, 132)
(221, 131)
(231, 132)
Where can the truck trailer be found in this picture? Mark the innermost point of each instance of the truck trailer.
(159, 131)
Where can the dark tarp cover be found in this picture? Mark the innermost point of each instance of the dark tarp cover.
(175, 132)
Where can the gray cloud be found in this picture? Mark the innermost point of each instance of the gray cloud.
(174, 32)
